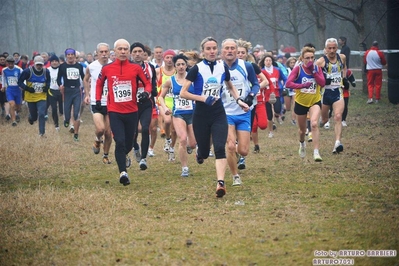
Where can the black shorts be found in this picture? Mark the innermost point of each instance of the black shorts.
(103, 111)
(303, 110)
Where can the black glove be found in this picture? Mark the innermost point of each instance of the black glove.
(98, 106)
(346, 83)
(30, 89)
(249, 100)
(143, 96)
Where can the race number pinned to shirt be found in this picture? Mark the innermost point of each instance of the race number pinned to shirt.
(312, 88)
(72, 73)
(336, 79)
(182, 104)
(240, 89)
(12, 81)
(38, 87)
(123, 92)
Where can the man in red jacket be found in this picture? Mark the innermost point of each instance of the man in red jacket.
(122, 78)
(374, 60)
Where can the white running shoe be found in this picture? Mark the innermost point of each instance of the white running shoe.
(137, 155)
(184, 172)
(151, 152)
(344, 124)
(369, 101)
(317, 157)
(338, 147)
(302, 150)
(271, 134)
(211, 153)
(171, 155)
(143, 164)
(124, 179)
(327, 125)
(166, 146)
(236, 180)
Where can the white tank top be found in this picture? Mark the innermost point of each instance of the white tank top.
(95, 69)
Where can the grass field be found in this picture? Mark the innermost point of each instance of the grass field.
(59, 205)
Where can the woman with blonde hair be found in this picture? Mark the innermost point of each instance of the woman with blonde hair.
(307, 79)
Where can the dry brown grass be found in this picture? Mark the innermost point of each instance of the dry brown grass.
(61, 206)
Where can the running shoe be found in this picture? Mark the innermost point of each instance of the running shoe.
(293, 122)
(96, 146)
(66, 124)
(327, 125)
(220, 189)
(124, 179)
(72, 130)
(166, 146)
(184, 172)
(317, 157)
(302, 150)
(199, 160)
(14, 124)
(189, 150)
(137, 155)
(256, 149)
(171, 155)
(369, 101)
(377, 101)
(271, 134)
(151, 152)
(344, 124)
(143, 164)
(211, 154)
(128, 161)
(310, 139)
(75, 137)
(338, 147)
(236, 181)
(106, 160)
(57, 129)
(8, 117)
(274, 126)
(241, 163)
(17, 118)
(30, 120)
(46, 117)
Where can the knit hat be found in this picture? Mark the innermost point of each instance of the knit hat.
(169, 52)
(54, 58)
(136, 44)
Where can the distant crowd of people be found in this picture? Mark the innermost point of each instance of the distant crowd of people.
(216, 97)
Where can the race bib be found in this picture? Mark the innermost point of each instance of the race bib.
(311, 89)
(122, 93)
(211, 89)
(240, 90)
(182, 104)
(72, 73)
(12, 81)
(336, 79)
(274, 81)
(38, 87)
(54, 81)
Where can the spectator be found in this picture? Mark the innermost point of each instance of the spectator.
(374, 60)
